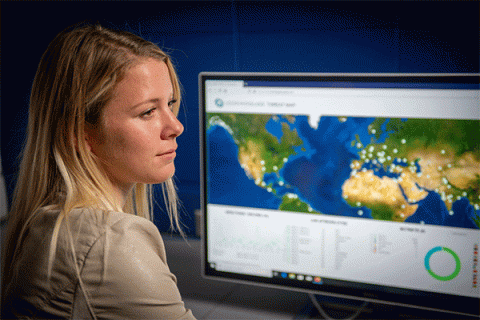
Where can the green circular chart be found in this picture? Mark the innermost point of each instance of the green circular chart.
(452, 253)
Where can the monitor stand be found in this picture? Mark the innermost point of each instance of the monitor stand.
(326, 307)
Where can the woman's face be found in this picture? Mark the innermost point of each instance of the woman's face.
(136, 140)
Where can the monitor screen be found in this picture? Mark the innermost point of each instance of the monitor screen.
(362, 186)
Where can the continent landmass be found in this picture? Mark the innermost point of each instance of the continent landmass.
(259, 152)
(418, 156)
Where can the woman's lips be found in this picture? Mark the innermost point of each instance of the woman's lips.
(168, 153)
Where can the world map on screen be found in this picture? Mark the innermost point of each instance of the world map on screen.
(405, 170)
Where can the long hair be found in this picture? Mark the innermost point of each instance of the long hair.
(75, 80)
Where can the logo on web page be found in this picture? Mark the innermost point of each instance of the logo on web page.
(219, 102)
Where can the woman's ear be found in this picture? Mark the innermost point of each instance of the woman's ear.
(88, 134)
(88, 143)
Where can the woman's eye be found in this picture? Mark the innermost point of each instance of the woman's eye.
(171, 103)
(148, 113)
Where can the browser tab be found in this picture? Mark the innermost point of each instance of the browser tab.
(224, 83)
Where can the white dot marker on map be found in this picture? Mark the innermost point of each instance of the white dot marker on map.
(374, 131)
(285, 160)
(395, 150)
(403, 141)
(360, 212)
(384, 147)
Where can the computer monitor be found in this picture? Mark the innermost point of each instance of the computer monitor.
(361, 186)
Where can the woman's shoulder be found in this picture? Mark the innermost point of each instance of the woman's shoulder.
(87, 225)
(92, 232)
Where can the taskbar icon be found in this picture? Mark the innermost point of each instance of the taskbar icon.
(297, 277)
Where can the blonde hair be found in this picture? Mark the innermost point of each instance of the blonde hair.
(75, 79)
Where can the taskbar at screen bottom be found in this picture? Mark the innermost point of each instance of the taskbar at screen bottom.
(454, 304)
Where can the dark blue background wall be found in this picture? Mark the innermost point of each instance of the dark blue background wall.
(283, 36)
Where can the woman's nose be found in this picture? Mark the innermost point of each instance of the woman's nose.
(173, 127)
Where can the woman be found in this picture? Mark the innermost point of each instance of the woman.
(102, 129)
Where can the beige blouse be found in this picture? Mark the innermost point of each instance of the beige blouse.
(122, 263)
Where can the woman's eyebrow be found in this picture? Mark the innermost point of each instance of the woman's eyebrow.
(155, 100)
